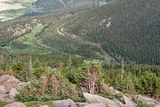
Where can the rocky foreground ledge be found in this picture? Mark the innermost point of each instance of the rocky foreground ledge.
(9, 86)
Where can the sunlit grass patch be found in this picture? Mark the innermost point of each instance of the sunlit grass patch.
(27, 43)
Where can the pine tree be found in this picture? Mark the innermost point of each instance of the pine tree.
(69, 63)
(146, 83)
(129, 84)
(122, 70)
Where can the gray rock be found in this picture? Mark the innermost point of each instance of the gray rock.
(157, 105)
(2, 89)
(80, 104)
(15, 104)
(95, 105)
(64, 103)
(9, 82)
(91, 98)
(129, 102)
(120, 104)
(148, 100)
(8, 88)
(12, 93)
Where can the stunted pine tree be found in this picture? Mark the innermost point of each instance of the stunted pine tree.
(130, 89)
(30, 63)
(147, 84)
(122, 70)
(30, 67)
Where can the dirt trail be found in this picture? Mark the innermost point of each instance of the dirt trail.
(39, 38)
(41, 44)
(76, 38)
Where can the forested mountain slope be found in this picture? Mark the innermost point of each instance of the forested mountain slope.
(20, 36)
(129, 28)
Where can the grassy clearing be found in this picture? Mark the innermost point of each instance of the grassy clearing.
(27, 43)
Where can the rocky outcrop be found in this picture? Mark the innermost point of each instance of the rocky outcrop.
(129, 102)
(15, 104)
(95, 105)
(157, 105)
(9, 82)
(2, 89)
(12, 93)
(148, 100)
(38, 104)
(80, 104)
(8, 88)
(120, 104)
(22, 28)
(64, 103)
(91, 98)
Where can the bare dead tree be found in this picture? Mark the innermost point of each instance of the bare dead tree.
(92, 80)
(30, 63)
(44, 84)
(54, 83)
